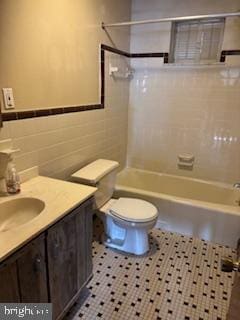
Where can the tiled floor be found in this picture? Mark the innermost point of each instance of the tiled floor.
(178, 279)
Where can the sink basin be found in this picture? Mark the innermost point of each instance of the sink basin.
(16, 212)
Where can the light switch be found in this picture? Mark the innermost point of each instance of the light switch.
(8, 98)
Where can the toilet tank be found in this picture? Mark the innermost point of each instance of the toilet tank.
(101, 174)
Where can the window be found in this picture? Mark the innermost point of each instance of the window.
(197, 40)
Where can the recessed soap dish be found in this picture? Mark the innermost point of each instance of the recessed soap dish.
(186, 157)
(186, 161)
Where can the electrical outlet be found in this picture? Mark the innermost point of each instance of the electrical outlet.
(8, 98)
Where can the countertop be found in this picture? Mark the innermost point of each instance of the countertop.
(60, 197)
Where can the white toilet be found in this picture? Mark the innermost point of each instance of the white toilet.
(126, 220)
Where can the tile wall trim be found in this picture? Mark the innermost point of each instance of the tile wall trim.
(163, 55)
(115, 50)
(225, 53)
(137, 55)
(19, 115)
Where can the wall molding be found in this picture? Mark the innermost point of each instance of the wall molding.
(105, 47)
(35, 113)
(19, 115)
(225, 53)
(164, 55)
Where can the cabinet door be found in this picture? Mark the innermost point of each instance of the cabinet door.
(69, 245)
(23, 275)
(84, 236)
(62, 263)
(31, 265)
(8, 282)
(89, 230)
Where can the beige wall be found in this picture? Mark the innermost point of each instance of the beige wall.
(49, 49)
(175, 109)
(63, 143)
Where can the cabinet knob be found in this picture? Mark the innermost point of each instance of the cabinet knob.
(38, 260)
(55, 249)
(37, 264)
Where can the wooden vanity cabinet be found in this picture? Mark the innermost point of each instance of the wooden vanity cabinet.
(8, 282)
(32, 272)
(69, 250)
(23, 277)
(54, 267)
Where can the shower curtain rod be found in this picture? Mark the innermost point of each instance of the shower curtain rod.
(131, 23)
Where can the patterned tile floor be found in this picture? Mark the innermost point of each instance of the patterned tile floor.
(178, 279)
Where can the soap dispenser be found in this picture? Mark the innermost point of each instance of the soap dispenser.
(12, 179)
(9, 178)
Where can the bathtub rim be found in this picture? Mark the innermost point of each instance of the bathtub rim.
(235, 210)
(216, 183)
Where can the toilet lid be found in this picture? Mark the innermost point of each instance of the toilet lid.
(133, 210)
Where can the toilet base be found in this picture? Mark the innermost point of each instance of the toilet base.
(126, 236)
(135, 242)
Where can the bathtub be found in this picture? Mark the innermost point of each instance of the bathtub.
(193, 207)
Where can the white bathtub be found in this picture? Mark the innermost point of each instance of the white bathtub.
(199, 208)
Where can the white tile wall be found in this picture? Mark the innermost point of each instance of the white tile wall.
(63, 143)
(176, 110)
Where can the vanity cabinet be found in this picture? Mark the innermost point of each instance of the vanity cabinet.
(69, 257)
(32, 272)
(23, 277)
(55, 266)
(9, 283)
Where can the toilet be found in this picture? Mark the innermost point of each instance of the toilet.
(126, 220)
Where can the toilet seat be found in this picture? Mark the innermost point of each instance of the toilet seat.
(133, 210)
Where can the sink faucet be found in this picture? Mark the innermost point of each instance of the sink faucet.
(237, 185)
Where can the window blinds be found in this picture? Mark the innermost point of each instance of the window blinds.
(198, 40)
